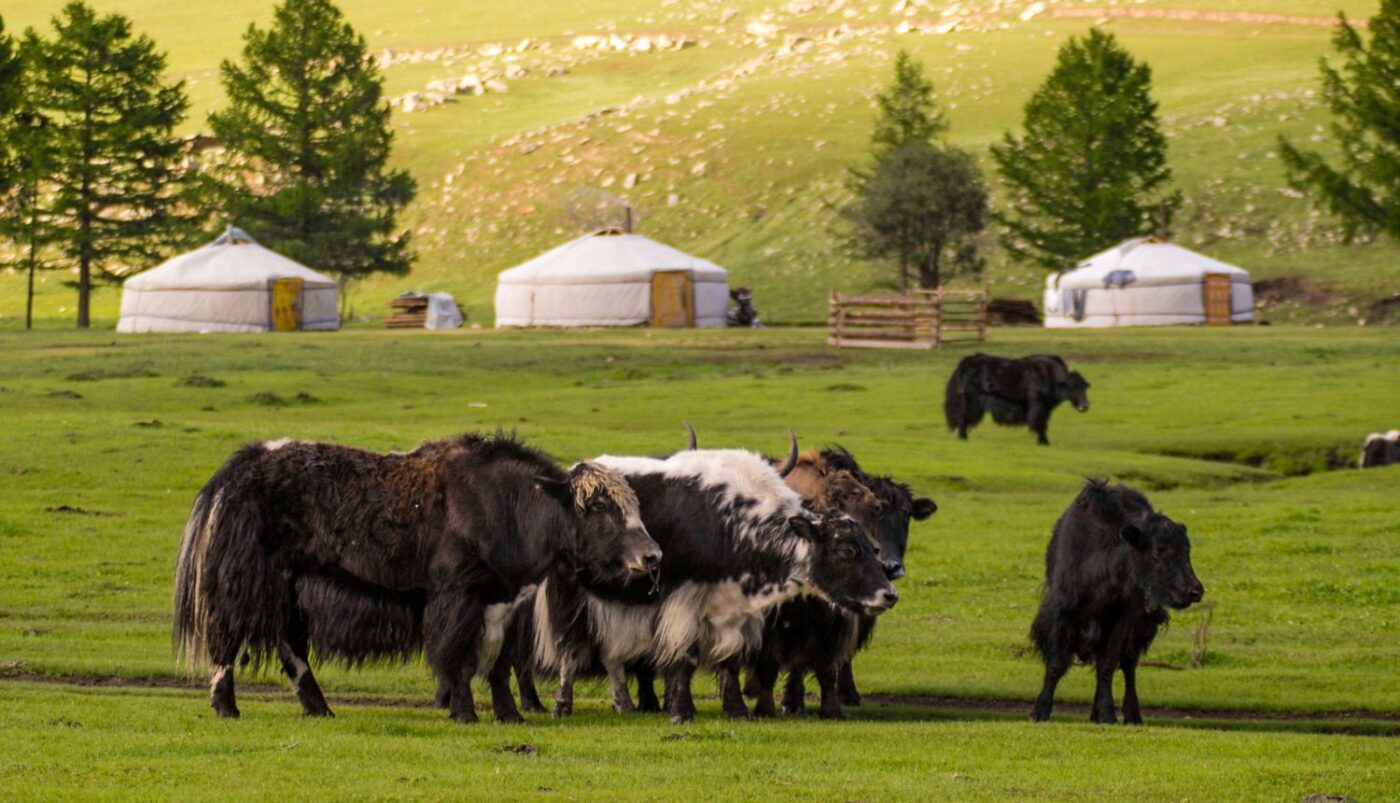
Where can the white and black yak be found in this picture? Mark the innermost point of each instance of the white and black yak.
(1016, 392)
(295, 546)
(737, 542)
(811, 635)
(1380, 449)
(1113, 568)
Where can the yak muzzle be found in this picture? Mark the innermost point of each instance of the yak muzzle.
(647, 563)
(893, 569)
(880, 601)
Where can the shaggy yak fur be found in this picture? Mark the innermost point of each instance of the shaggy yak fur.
(1015, 392)
(736, 543)
(808, 634)
(1380, 449)
(1113, 568)
(294, 546)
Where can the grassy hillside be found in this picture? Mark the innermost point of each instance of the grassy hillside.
(732, 145)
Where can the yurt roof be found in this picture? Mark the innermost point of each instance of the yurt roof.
(1152, 262)
(233, 261)
(609, 256)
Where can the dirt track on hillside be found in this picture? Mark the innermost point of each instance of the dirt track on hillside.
(1194, 15)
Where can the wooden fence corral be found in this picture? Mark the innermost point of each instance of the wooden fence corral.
(919, 319)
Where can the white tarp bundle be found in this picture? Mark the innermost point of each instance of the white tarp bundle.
(443, 312)
(226, 286)
(1142, 282)
(604, 279)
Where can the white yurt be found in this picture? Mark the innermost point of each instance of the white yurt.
(1148, 282)
(613, 277)
(230, 285)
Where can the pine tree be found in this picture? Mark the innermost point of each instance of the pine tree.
(1091, 168)
(1363, 189)
(907, 109)
(115, 162)
(11, 76)
(306, 116)
(922, 207)
(24, 219)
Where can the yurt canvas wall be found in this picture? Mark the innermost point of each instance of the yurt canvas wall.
(230, 285)
(1147, 282)
(613, 278)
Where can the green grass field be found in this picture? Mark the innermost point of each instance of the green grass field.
(775, 130)
(1241, 434)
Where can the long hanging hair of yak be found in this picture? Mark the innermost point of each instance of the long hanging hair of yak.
(294, 546)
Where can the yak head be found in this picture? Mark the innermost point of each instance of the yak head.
(844, 563)
(612, 544)
(1072, 387)
(1162, 562)
(886, 512)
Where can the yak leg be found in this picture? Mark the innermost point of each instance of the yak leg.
(678, 698)
(525, 679)
(221, 697)
(795, 692)
(846, 686)
(1055, 668)
(502, 701)
(1103, 712)
(763, 675)
(564, 697)
(1038, 417)
(617, 680)
(442, 696)
(1132, 713)
(453, 622)
(293, 656)
(646, 690)
(730, 693)
(751, 684)
(831, 700)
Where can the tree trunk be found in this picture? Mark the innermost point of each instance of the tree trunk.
(903, 275)
(29, 295)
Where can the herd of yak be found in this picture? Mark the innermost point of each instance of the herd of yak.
(488, 557)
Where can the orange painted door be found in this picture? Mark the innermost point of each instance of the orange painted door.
(286, 305)
(672, 299)
(1217, 290)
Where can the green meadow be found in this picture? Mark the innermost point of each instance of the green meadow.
(1246, 435)
(734, 147)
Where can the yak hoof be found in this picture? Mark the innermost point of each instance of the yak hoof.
(464, 718)
(510, 719)
(837, 714)
(321, 712)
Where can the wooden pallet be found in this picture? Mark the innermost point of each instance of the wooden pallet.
(920, 319)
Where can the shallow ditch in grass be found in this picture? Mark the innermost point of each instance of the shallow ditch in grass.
(1282, 461)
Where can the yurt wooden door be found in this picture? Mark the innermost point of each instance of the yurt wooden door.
(1217, 299)
(672, 299)
(286, 305)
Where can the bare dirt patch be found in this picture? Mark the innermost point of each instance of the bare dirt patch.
(1290, 290)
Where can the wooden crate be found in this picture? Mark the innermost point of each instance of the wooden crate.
(920, 319)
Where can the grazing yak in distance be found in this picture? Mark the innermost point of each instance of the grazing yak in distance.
(1113, 567)
(1380, 449)
(360, 556)
(1014, 391)
(737, 542)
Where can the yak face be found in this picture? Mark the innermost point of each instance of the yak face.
(612, 543)
(1162, 562)
(892, 528)
(845, 564)
(1073, 388)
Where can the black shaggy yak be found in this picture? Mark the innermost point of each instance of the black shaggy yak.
(810, 635)
(294, 546)
(1015, 392)
(1113, 568)
(1380, 449)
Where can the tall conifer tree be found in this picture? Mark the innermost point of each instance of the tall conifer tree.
(306, 116)
(115, 169)
(1091, 168)
(1363, 186)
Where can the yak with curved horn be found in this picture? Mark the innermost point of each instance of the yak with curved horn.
(362, 556)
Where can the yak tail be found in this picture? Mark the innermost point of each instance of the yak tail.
(224, 593)
(956, 396)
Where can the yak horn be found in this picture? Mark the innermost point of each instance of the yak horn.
(791, 462)
(690, 431)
